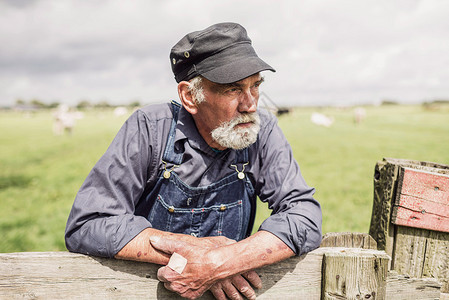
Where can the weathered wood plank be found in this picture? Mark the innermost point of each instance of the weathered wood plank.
(407, 247)
(444, 296)
(422, 253)
(425, 185)
(423, 206)
(354, 273)
(63, 275)
(410, 250)
(348, 240)
(402, 287)
(411, 217)
(422, 200)
(436, 264)
(385, 184)
(420, 165)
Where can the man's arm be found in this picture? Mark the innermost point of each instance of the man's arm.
(296, 215)
(140, 249)
(102, 219)
(261, 249)
(207, 266)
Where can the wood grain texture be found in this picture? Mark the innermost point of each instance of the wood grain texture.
(344, 273)
(64, 275)
(410, 251)
(422, 253)
(436, 264)
(420, 165)
(386, 175)
(422, 200)
(348, 240)
(385, 183)
(403, 287)
(444, 296)
(354, 273)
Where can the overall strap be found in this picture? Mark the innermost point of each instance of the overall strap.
(241, 161)
(241, 156)
(169, 153)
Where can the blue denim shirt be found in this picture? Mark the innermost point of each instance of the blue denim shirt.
(103, 217)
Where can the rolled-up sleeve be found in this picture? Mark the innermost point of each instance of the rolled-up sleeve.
(102, 219)
(296, 216)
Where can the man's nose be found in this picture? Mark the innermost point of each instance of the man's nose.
(248, 103)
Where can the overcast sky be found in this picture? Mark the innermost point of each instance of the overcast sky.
(325, 52)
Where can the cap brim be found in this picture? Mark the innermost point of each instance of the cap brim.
(237, 70)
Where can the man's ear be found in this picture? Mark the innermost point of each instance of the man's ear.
(186, 97)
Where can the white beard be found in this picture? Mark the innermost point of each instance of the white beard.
(227, 136)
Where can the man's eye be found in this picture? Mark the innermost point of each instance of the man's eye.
(257, 84)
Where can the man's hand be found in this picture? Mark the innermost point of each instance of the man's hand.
(236, 286)
(140, 249)
(197, 276)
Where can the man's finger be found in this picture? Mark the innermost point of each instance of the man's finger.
(253, 278)
(165, 245)
(183, 290)
(165, 274)
(217, 291)
(243, 286)
(230, 290)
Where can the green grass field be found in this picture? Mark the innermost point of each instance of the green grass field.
(40, 173)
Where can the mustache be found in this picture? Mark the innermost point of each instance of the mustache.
(243, 118)
(230, 136)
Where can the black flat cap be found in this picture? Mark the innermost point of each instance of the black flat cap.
(222, 53)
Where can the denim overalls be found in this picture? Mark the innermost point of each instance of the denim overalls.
(225, 207)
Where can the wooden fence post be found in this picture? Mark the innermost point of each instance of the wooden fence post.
(354, 273)
(348, 240)
(385, 182)
(410, 217)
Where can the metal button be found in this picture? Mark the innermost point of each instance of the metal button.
(174, 61)
(241, 175)
(167, 174)
(223, 207)
(171, 209)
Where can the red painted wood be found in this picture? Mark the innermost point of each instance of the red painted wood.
(410, 218)
(424, 206)
(430, 186)
(423, 200)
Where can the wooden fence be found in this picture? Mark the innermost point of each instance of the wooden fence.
(410, 217)
(407, 259)
(326, 273)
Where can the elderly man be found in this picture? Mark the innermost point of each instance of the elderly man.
(178, 185)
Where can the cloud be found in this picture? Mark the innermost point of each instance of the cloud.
(325, 52)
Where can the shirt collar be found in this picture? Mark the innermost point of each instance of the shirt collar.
(186, 129)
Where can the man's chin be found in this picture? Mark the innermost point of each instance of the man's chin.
(241, 139)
